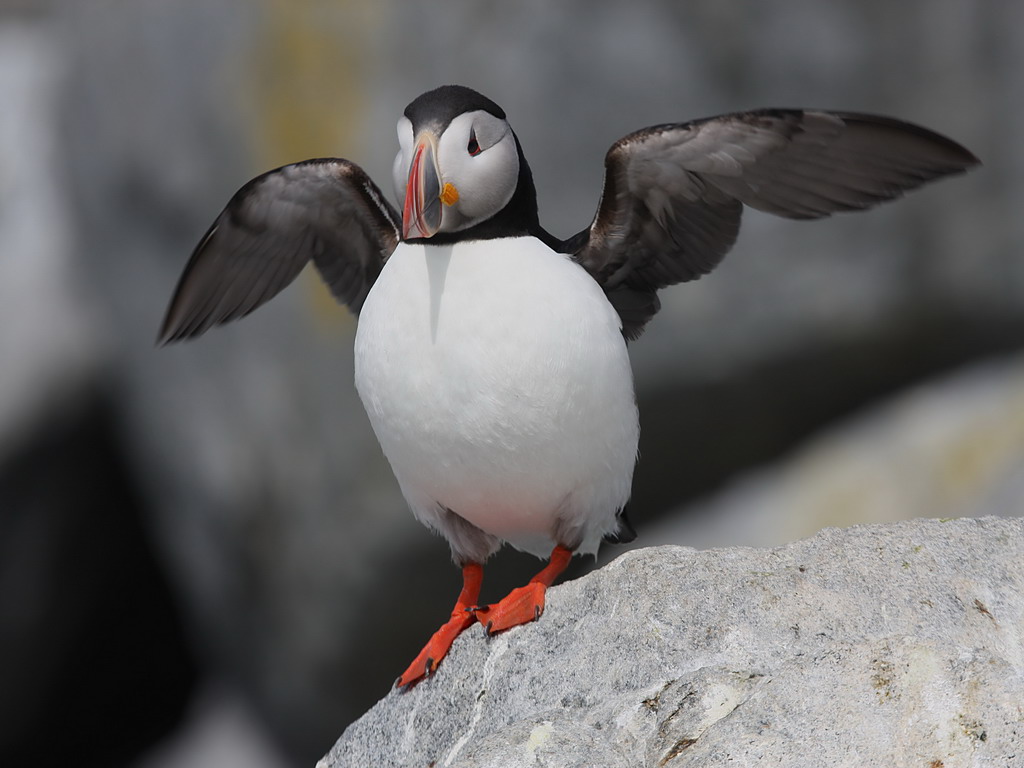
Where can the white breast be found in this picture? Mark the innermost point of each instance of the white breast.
(497, 381)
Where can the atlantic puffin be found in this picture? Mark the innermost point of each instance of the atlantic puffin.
(490, 355)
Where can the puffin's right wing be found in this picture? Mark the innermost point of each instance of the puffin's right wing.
(673, 194)
(327, 210)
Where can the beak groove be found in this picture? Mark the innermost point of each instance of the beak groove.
(421, 213)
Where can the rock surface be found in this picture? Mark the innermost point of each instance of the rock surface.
(897, 645)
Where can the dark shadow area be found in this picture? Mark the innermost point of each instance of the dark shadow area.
(95, 663)
(702, 436)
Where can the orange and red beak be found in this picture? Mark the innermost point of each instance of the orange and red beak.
(421, 214)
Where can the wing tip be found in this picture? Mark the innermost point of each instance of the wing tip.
(169, 329)
(968, 158)
(167, 336)
(959, 158)
(171, 332)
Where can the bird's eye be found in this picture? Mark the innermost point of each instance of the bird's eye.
(474, 147)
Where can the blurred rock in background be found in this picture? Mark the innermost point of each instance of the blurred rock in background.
(943, 449)
(217, 517)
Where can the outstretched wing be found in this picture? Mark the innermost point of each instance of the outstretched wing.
(673, 194)
(327, 210)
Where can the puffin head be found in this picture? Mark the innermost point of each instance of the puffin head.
(460, 172)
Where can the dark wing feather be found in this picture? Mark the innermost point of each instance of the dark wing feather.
(326, 210)
(673, 194)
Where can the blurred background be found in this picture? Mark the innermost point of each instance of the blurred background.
(204, 559)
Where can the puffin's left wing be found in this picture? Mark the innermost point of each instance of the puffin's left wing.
(673, 194)
(327, 210)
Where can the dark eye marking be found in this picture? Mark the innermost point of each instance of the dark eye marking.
(474, 146)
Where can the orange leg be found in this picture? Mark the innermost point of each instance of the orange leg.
(525, 604)
(462, 616)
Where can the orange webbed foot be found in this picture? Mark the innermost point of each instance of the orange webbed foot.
(436, 648)
(524, 604)
(439, 644)
(520, 606)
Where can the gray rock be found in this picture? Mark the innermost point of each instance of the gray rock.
(890, 645)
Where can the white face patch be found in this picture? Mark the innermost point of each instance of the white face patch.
(477, 154)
